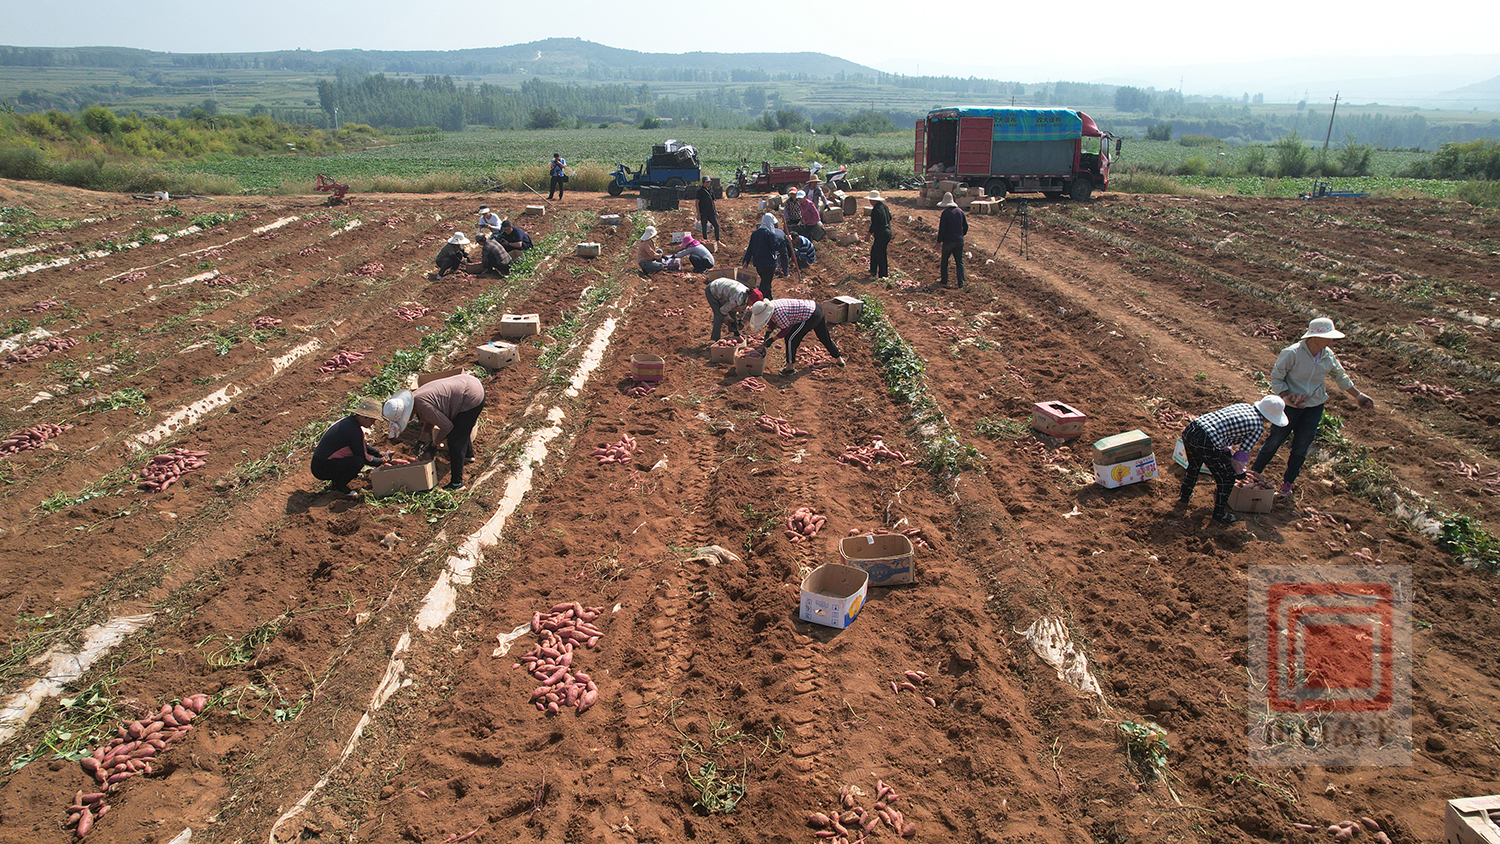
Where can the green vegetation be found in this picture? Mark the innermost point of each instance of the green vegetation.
(1146, 748)
(82, 721)
(902, 369)
(1469, 543)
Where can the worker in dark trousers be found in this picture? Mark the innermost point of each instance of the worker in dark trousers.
(769, 250)
(880, 235)
(448, 407)
(793, 319)
(708, 214)
(559, 178)
(1222, 441)
(953, 225)
(343, 450)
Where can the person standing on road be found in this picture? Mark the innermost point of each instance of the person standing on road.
(343, 451)
(559, 178)
(448, 407)
(1222, 440)
(953, 225)
(794, 318)
(727, 300)
(880, 235)
(708, 213)
(768, 250)
(1299, 377)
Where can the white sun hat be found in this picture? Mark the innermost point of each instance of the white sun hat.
(397, 411)
(947, 201)
(649, 233)
(458, 238)
(1274, 409)
(1322, 327)
(760, 314)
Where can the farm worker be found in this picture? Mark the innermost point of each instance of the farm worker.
(647, 255)
(1213, 437)
(768, 250)
(448, 407)
(812, 220)
(343, 452)
(952, 226)
(793, 318)
(815, 193)
(804, 251)
(793, 210)
(492, 258)
(880, 234)
(694, 250)
(514, 239)
(727, 301)
(453, 256)
(558, 177)
(489, 221)
(1299, 377)
(708, 214)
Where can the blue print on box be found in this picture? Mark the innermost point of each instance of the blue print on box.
(882, 572)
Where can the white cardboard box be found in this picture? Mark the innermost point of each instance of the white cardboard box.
(888, 558)
(520, 325)
(496, 355)
(1124, 474)
(1468, 820)
(833, 595)
(413, 477)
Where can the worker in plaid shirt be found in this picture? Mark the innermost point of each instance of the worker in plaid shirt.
(793, 318)
(1213, 437)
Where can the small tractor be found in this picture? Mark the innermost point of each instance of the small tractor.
(336, 192)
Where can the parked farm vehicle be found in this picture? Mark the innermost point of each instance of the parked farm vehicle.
(1055, 151)
(336, 192)
(671, 165)
(768, 178)
(1321, 190)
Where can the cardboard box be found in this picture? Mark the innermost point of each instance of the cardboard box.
(1131, 445)
(842, 309)
(1471, 820)
(429, 377)
(721, 354)
(1125, 473)
(833, 215)
(609, 219)
(1246, 500)
(1056, 419)
(645, 367)
(833, 595)
(746, 366)
(587, 250)
(1179, 456)
(888, 558)
(413, 477)
(739, 274)
(846, 238)
(677, 238)
(850, 205)
(520, 325)
(496, 355)
(534, 211)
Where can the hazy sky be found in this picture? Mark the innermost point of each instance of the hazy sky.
(1080, 41)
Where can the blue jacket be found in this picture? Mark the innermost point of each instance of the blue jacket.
(768, 248)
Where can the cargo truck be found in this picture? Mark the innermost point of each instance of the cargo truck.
(1055, 151)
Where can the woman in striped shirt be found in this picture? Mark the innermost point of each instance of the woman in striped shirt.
(793, 318)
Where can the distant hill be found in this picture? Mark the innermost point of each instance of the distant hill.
(553, 56)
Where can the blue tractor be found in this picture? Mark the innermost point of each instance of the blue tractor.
(671, 165)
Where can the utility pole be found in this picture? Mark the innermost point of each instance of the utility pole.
(1323, 156)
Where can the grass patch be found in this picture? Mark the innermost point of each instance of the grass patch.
(1146, 182)
(902, 369)
(1000, 428)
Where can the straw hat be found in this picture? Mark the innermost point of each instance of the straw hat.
(397, 411)
(875, 196)
(1322, 327)
(760, 314)
(814, 180)
(459, 239)
(369, 408)
(947, 201)
(1274, 409)
(649, 233)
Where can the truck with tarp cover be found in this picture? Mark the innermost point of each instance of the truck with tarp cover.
(1055, 151)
